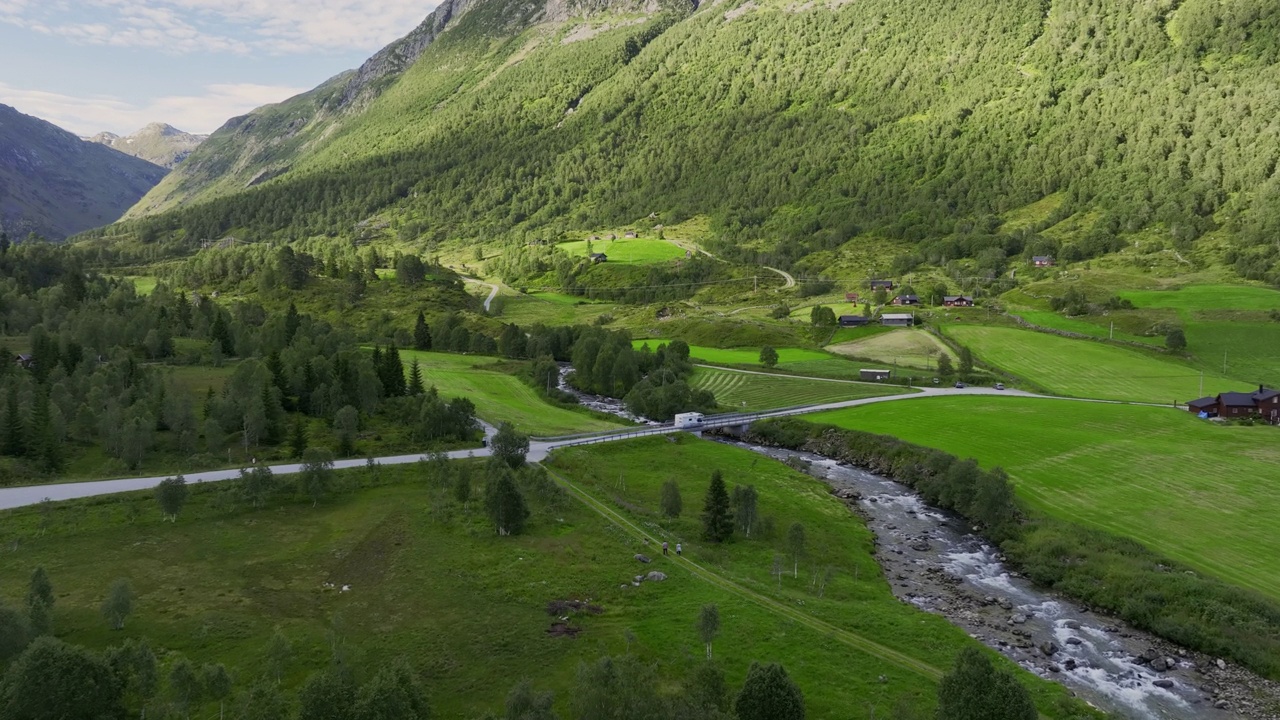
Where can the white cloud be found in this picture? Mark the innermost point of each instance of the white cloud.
(222, 26)
(195, 113)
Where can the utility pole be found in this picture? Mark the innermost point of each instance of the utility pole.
(1113, 330)
(1224, 362)
(755, 283)
(1201, 383)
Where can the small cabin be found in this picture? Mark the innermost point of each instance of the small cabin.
(957, 301)
(854, 320)
(851, 297)
(898, 319)
(1043, 261)
(24, 361)
(598, 257)
(886, 285)
(874, 375)
(907, 300)
(629, 236)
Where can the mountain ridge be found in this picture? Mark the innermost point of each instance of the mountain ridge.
(55, 184)
(157, 143)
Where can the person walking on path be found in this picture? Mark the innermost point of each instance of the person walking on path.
(664, 547)
(678, 548)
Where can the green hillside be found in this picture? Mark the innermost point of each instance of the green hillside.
(798, 127)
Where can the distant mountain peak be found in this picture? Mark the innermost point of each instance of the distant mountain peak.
(158, 143)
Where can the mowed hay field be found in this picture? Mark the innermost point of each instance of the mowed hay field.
(798, 361)
(751, 391)
(911, 348)
(637, 250)
(1225, 324)
(1083, 368)
(499, 396)
(1201, 493)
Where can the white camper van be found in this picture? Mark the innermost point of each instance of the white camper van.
(688, 420)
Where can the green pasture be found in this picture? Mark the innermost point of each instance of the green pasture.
(791, 360)
(1098, 327)
(144, 284)
(1207, 297)
(1228, 327)
(1084, 368)
(750, 391)
(549, 308)
(628, 477)
(429, 581)
(1190, 489)
(635, 250)
(739, 356)
(499, 396)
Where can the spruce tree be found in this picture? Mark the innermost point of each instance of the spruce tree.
(292, 321)
(15, 435)
(298, 438)
(415, 386)
(421, 333)
(717, 518)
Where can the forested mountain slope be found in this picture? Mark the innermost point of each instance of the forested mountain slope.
(796, 126)
(54, 184)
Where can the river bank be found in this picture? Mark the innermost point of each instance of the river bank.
(935, 562)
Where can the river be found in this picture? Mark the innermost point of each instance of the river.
(932, 560)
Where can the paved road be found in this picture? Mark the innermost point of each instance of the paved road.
(493, 290)
(538, 450)
(791, 281)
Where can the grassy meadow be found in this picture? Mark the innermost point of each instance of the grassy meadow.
(431, 582)
(1082, 368)
(1229, 327)
(1193, 490)
(499, 396)
(627, 250)
(838, 682)
(793, 360)
(749, 391)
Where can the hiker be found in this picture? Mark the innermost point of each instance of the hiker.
(664, 547)
(678, 548)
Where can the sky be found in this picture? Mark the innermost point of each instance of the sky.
(116, 65)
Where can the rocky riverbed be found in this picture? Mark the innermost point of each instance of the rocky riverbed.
(933, 561)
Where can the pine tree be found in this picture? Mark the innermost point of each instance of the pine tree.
(414, 386)
(15, 434)
(298, 438)
(292, 321)
(394, 383)
(717, 518)
(221, 334)
(421, 333)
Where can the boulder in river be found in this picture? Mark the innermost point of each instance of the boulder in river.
(1165, 683)
(1048, 648)
(1017, 619)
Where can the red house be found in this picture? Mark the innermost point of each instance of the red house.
(1043, 261)
(1263, 402)
(886, 285)
(957, 301)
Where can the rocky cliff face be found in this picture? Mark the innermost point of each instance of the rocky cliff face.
(55, 184)
(157, 143)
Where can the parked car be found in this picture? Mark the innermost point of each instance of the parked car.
(959, 384)
(999, 386)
